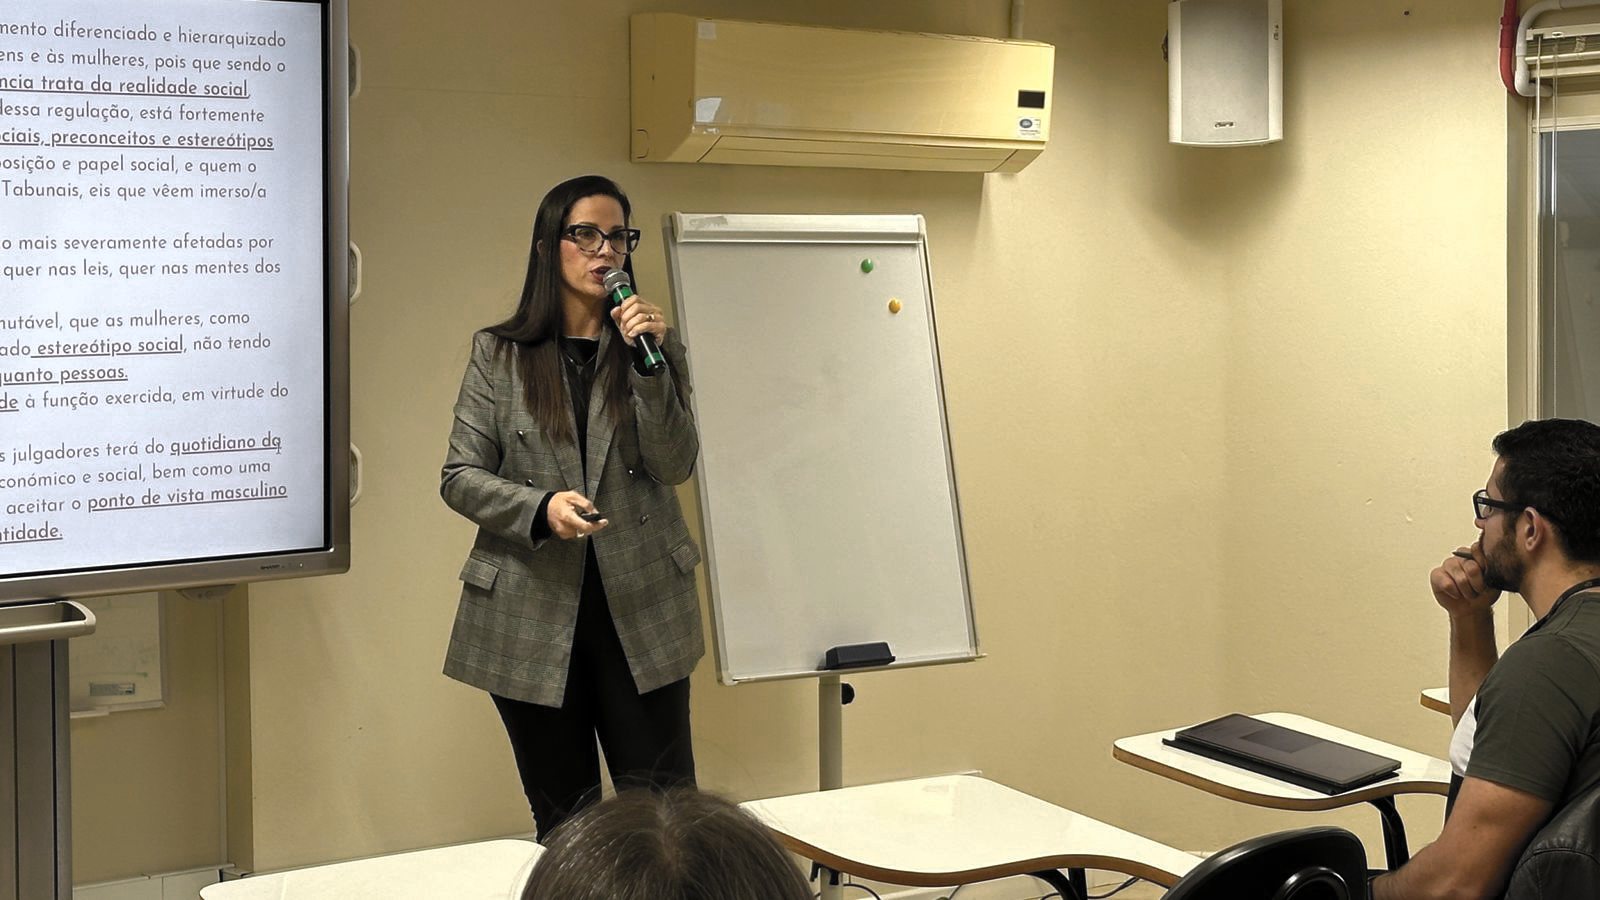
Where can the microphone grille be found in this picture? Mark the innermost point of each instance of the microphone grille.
(617, 278)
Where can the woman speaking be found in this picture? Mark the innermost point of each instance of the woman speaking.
(578, 610)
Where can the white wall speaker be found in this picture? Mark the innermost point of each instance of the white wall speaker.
(1224, 72)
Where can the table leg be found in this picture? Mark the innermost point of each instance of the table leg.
(1073, 884)
(828, 882)
(1394, 832)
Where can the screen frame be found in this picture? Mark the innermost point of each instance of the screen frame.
(334, 556)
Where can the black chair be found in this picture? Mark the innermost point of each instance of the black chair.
(1317, 863)
(1562, 862)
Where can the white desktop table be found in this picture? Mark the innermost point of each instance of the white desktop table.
(489, 870)
(959, 829)
(1418, 774)
(1437, 699)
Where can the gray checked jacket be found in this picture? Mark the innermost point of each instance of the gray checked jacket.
(519, 598)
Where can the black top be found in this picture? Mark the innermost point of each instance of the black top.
(578, 356)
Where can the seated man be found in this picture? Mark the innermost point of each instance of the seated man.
(1527, 736)
(678, 844)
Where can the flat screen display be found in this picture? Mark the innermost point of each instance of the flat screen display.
(173, 293)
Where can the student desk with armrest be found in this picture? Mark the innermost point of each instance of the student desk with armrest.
(1418, 774)
(1437, 699)
(487, 870)
(959, 829)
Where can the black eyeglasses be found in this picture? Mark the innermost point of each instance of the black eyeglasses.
(590, 239)
(1483, 505)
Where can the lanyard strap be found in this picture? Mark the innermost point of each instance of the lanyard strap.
(1578, 588)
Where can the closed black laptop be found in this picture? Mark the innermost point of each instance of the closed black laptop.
(1285, 754)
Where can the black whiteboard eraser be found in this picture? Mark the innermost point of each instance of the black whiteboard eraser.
(856, 656)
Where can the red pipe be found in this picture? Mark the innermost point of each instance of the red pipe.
(1508, 40)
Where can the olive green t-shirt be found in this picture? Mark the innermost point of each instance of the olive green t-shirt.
(1538, 709)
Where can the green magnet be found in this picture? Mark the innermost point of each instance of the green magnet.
(866, 265)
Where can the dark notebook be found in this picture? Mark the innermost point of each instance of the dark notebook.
(1285, 754)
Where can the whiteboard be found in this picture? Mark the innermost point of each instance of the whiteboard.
(827, 491)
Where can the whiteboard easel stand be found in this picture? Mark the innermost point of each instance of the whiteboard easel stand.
(830, 759)
(830, 733)
(860, 286)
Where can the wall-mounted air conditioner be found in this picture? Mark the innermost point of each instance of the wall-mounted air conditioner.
(722, 91)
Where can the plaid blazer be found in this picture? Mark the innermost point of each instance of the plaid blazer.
(519, 598)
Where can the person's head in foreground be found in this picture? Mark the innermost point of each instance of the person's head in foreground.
(679, 844)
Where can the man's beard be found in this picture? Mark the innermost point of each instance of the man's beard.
(1503, 569)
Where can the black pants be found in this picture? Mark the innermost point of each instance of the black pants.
(645, 736)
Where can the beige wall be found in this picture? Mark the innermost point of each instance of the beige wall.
(146, 783)
(1205, 467)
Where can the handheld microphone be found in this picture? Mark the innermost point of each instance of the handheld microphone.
(645, 350)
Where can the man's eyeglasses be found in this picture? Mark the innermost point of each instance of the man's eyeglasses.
(1483, 505)
(590, 239)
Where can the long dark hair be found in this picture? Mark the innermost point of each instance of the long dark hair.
(536, 327)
